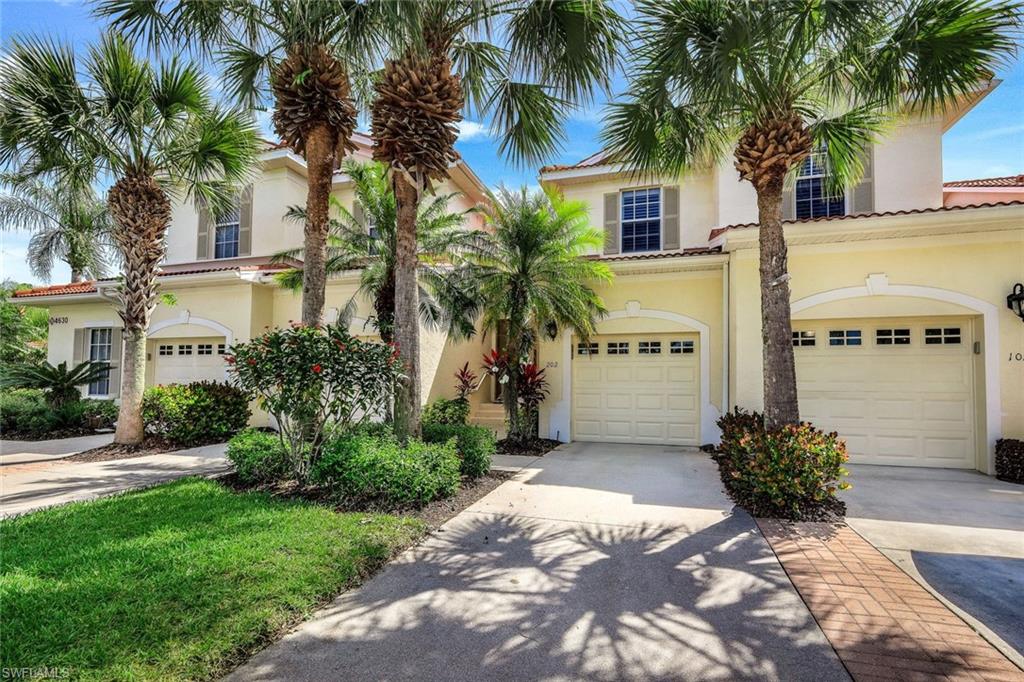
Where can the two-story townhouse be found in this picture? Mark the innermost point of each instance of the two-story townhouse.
(220, 275)
(903, 339)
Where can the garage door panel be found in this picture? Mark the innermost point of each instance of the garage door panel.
(911, 404)
(637, 398)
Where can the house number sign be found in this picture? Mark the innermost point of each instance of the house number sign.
(59, 320)
(1016, 357)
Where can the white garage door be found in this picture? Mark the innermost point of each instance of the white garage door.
(900, 391)
(182, 361)
(637, 389)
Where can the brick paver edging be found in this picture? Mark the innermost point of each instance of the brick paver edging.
(881, 622)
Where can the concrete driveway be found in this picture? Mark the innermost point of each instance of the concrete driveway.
(597, 562)
(959, 533)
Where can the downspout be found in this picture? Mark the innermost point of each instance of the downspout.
(726, 358)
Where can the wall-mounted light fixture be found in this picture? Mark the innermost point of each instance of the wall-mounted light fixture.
(1015, 301)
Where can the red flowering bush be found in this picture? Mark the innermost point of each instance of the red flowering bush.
(793, 472)
(311, 378)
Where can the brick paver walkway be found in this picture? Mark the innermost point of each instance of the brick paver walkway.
(881, 622)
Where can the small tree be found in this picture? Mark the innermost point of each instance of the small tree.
(60, 384)
(312, 378)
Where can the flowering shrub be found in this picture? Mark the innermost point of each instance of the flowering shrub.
(196, 413)
(310, 378)
(793, 472)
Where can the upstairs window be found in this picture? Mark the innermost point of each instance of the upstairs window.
(812, 197)
(225, 244)
(641, 220)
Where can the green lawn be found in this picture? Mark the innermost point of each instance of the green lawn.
(177, 582)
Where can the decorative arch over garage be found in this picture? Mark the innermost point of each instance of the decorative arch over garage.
(878, 285)
(188, 319)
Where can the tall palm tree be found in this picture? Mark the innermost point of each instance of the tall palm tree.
(553, 54)
(533, 276)
(153, 131)
(68, 224)
(771, 82)
(301, 55)
(366, 241)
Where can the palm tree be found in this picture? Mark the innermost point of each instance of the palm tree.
(366, 241)
(67, 224)
(533, 276)
(306, 53)
(152, 130)
(59, 383)
(553, 55)
(771, 82)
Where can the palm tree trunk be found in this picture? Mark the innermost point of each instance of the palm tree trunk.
(141, 212)
(780, 398)
(407, 324)
(321, 143)
(76, 274)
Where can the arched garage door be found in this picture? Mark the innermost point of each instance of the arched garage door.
(637, 388)
(898, 390)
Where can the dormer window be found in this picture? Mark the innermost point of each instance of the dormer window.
(812, 194)
(641, 220)
(226, 232)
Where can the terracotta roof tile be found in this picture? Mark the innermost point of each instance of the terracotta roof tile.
(592, 160)
(878, 214)
(90, 286)
(702, 251)
(1005, 181)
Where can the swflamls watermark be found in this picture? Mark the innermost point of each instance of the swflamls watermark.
(40, 672)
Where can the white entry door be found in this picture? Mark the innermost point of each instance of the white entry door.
(637, 388)
(899, 391)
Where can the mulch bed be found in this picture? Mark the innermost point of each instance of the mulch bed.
(433, 514)
(50, 435)
(535, 448)
(150, 446)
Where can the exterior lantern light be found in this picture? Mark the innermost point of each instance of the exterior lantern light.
(1015, 301)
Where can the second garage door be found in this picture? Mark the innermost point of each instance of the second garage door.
(899, 391)
(637, 389)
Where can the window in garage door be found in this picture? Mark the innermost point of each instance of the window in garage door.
(900, 391)
(638, 388)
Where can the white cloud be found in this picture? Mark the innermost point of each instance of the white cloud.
(472, 130)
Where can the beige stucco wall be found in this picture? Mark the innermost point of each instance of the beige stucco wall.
(981, 267)
(908, 166)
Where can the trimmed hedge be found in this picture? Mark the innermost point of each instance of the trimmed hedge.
(793, 472)
(445, 411)
(1010, 460)
(25, 411)
(196, 413)
(362, 468)
(258, 456)
(475, 445)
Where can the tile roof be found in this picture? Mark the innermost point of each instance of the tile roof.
(592, 160)
(879, 214)
(89, 287)
(1005, 181)
(701, 251)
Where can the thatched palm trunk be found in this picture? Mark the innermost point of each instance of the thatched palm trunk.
(142, 213)
(780, 397)
(407, 326)
(321, 143)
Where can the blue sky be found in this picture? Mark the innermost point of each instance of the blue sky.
(988, 142)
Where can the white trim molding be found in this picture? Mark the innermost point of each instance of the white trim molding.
(878, 285)
(560, 422)
(186, 318)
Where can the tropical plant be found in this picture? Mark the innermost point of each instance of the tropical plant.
(23, 330)
(69, 224)
(59, 383)
(314, 378)
(466, 382)
(301, 55)
(553, 55)
(771, 82)
(153, 130)
(365, 240)
(533, 275)
(196, 413)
